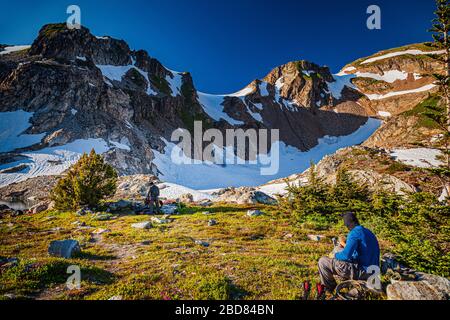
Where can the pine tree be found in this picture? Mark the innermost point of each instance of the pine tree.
(86, 183)
(440, 30)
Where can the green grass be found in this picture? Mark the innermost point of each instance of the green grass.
(161, 84)
(51, 30)
(418, 111)
(248, 258)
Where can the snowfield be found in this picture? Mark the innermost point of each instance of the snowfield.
(212, 104)
(174, 191)
(388, 76)
(401, 53)
(428, 87)
(205, 175)
(342, 80)
(11, 136)
(8, 50)
(418, 157)
(51, 161)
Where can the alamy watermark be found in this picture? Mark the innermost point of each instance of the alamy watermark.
(374, 20)
(74, 20)
(74, 280)
(239, 146)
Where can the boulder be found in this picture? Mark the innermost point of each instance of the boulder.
(315, 237)
(212, 223)
(102, 217)
(244, 195)
(201, 243)
(120, 205)
(169, 208)
(186, 198)
(414, 290)
(254, 213)
(142, 225)
(204, 203)
(161, 221)
(64, 249)
(40, 207)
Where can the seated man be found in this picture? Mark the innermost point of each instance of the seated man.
(361, 251)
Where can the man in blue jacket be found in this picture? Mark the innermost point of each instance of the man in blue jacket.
(361, 252)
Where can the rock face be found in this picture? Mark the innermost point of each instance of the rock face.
(424, 287)
(394, 81)
(243, 195)
(428, 288)
(142, 225)
(64, 249)
(78, 86)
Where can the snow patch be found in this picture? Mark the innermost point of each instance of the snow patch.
(399, 93)
(263, 89)
(388, 76)
(341, 81)
(418, 157)
(116, 73)
(124, 144)
(212, 104)
(174, 191)
(209, 176)
(8, 50)
(53, 160)
(175, 82)
(12, 126)
(400, 53)
(384, 114)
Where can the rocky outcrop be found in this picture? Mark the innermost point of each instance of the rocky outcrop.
(64, 249)
(243, 195)
(79, 86)
(418, 286)
(394, 81)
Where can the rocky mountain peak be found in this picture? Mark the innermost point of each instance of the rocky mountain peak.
(303, 82)
(56, 41)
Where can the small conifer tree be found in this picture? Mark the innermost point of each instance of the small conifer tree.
(85, 184)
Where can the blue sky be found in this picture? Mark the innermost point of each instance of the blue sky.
(226, 44)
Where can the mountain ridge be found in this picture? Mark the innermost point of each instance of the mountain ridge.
(79, 87)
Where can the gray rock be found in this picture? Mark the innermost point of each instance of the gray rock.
(169, 209)
(414, 290)
(254, 213)
(315, 237)
(205, 203)
(83, 212)
(120, 205)
(440, 284)
(142, 225)
(186, 198)
(103, 217)
(161, 221)
(212, 222)
(40, 207)
(202, 243)
(64, 249)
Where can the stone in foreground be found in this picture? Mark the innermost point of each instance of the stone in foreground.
(142, 225)
(64, 249)
(414, 290)
(254, 213)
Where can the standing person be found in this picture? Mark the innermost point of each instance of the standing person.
(153, 198)
(361, 251)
